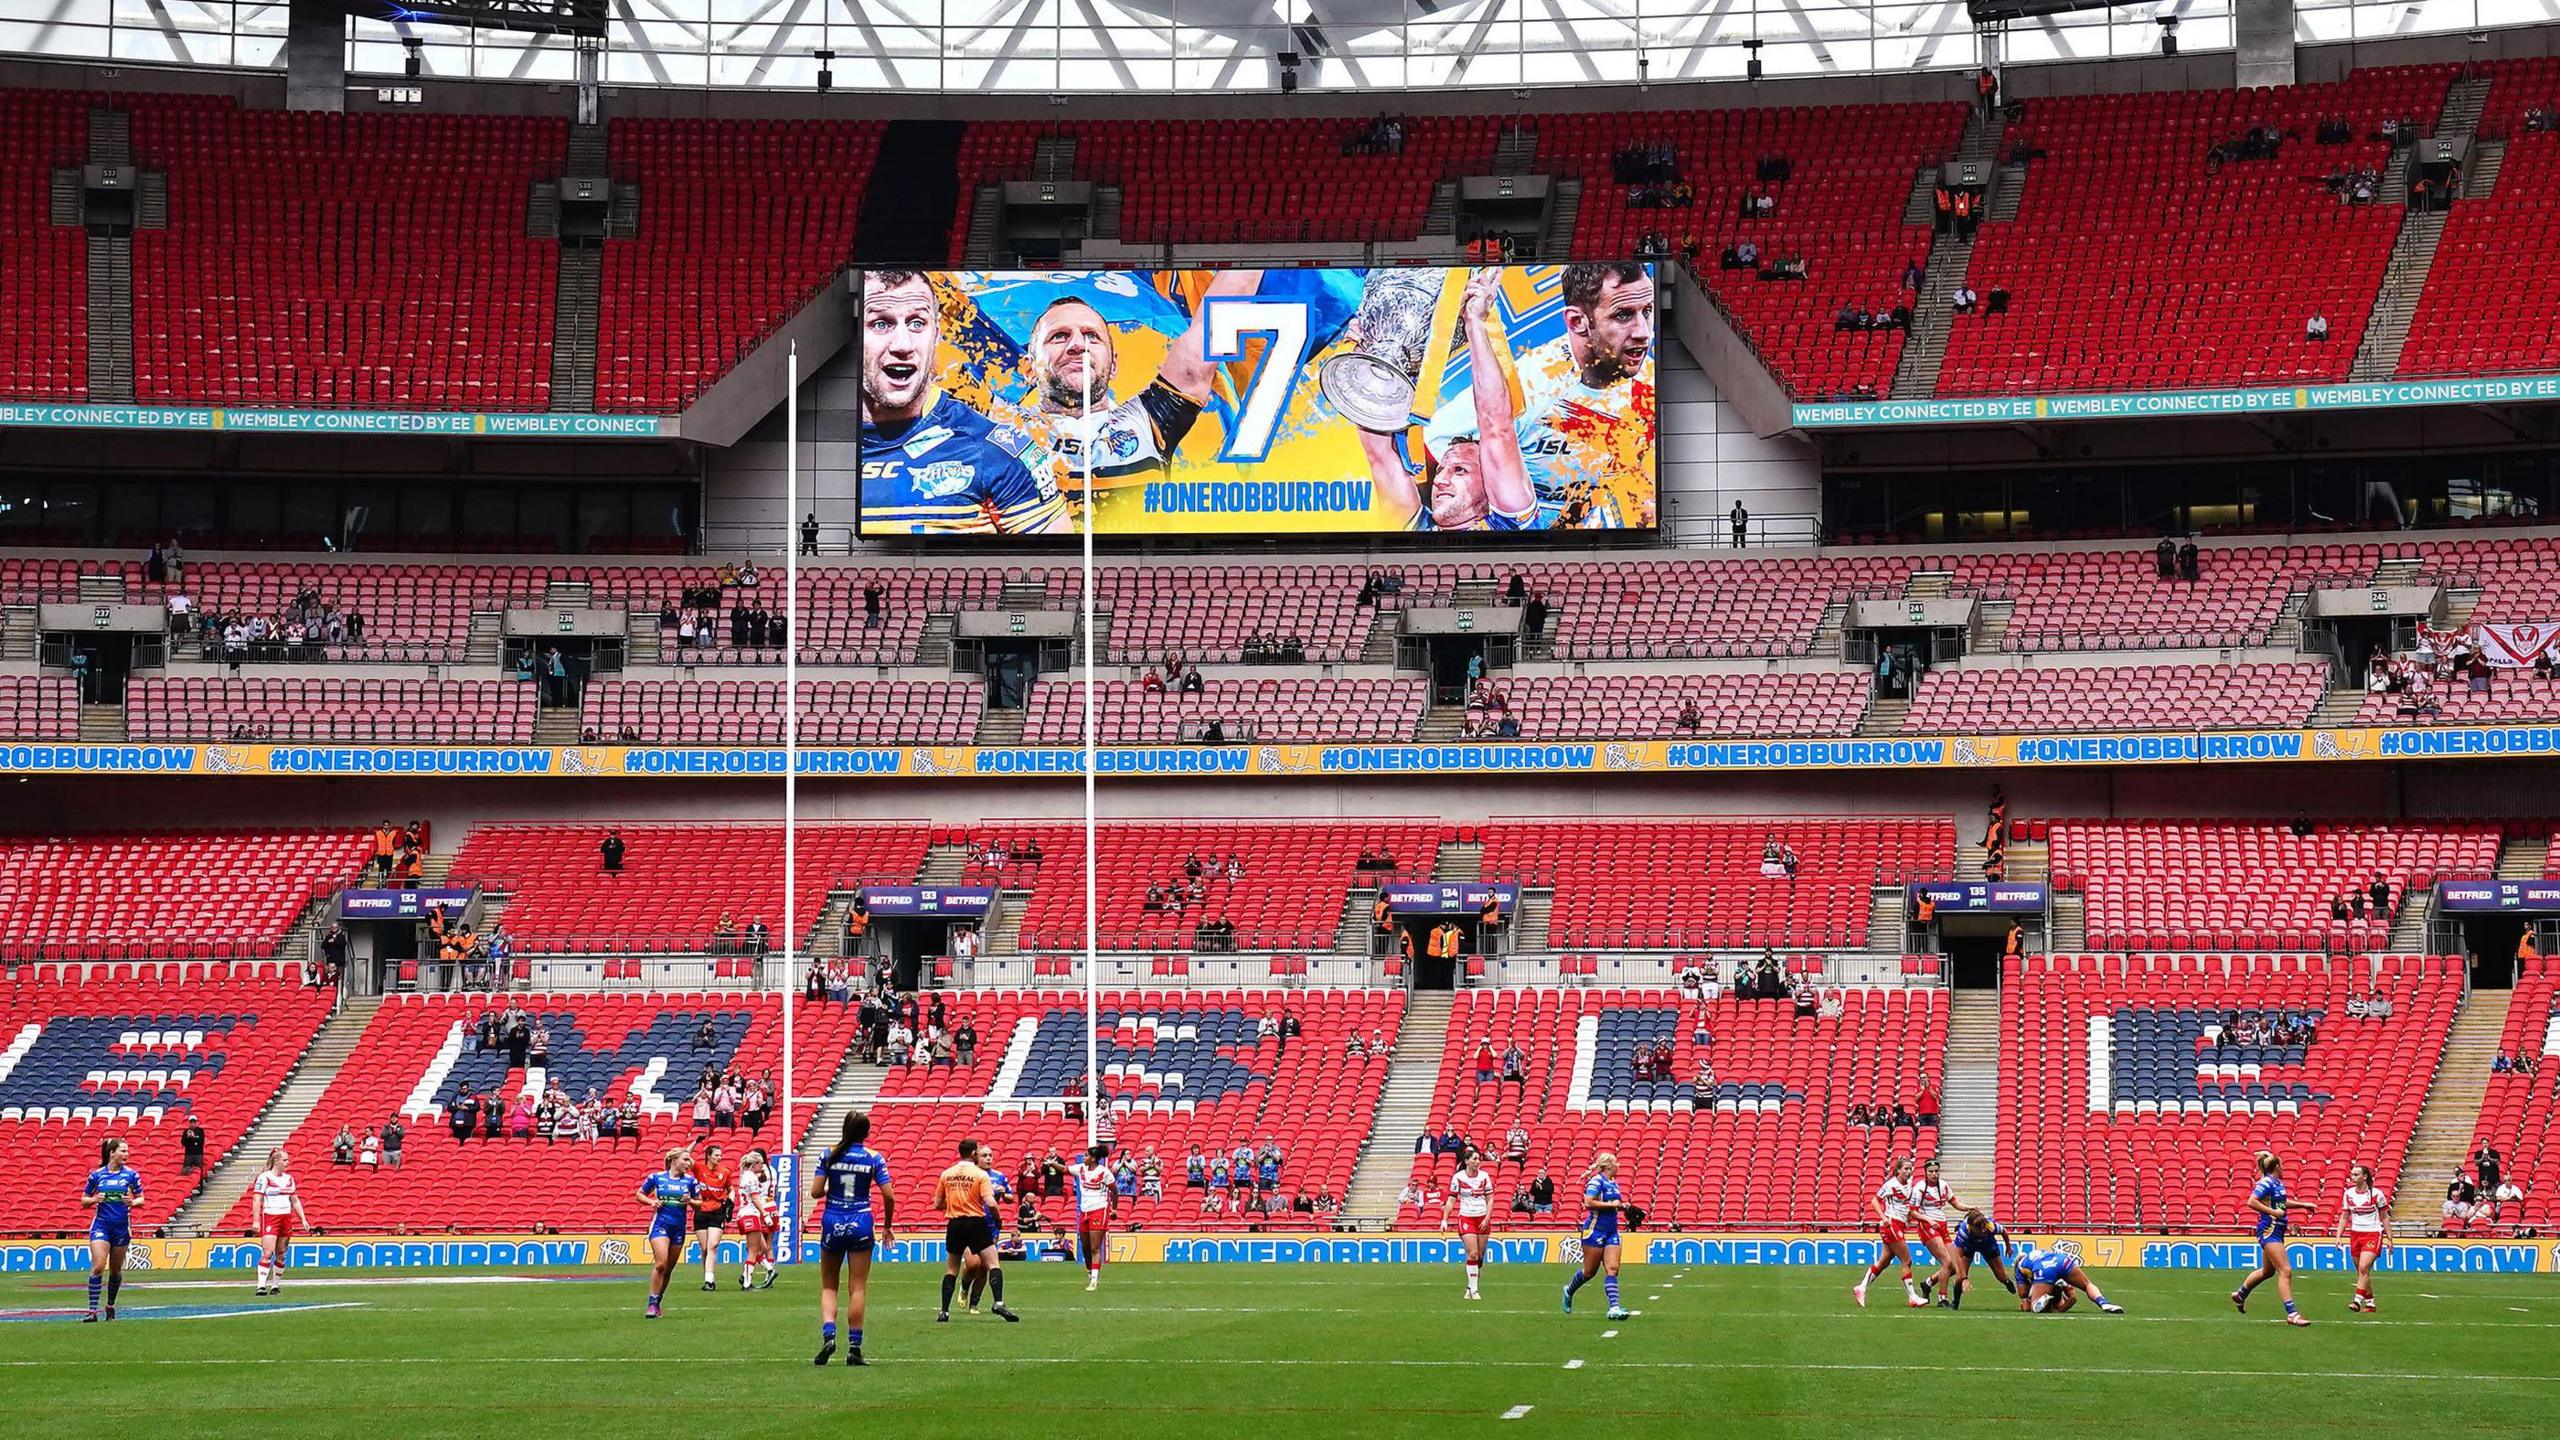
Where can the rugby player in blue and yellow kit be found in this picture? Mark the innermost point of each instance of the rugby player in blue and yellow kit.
(669, 1193)
(112, 1191)
(849, 1175)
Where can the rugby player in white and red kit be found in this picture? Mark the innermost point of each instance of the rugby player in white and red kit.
(279, 1205)
(1096, 1197)
(2364, 1217)
(1471, 1195)
(1892, 1209)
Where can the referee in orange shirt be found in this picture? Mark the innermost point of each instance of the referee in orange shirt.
(966, 1196)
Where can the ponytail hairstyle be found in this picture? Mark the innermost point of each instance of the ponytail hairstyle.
(2267, 1162)
(107, 1149)
(667, 1162)
(857, 1130)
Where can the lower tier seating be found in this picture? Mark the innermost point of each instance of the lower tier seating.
(1184, 1068)
(2520, 1114)
(421, 1052)
(133, 1053)
(1752, 1128)
(2117, 1107)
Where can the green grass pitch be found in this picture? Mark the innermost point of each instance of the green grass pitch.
(1196, 1350)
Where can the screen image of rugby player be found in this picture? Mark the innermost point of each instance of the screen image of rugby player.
(1495, 398)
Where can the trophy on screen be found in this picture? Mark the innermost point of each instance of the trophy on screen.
(1399, 325)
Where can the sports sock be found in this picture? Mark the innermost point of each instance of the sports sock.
(95, 1280)
(1472, 1272)
(1578, 1280)
(949, 1284)
(2288, 1308)
(1955, 1296)
(115, 1284)
(853, 1337)
(1610, 1284)
(827, 1330)
(1873, 1271)
(995, 1283)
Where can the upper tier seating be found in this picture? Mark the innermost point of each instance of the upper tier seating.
(676, 880)
(44, 267)
(39, 707)
(741, 221)
(2097, 697)
(2134, 264)
(479, 712)
(1666, 885)
(2493, 286)
(2116, 600)
(1297, 878)
(2156, 885)
(419, 1051)
(130, 1052)
(2171, 1142)
(1772, 1147)
(1183, 1068)
(1840, 209)
(2520, 1114)
(1272, 711)
(1244, 182)
(368, 260)
(2518, 577)
(185, 894)
(748, 712)
(1645, 707)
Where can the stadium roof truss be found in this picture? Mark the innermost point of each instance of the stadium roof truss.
(1155, 46)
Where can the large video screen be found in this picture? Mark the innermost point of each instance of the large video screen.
(1198, 402)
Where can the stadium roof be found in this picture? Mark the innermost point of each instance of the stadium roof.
(1144, 46)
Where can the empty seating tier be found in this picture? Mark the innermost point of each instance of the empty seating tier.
(676, 881)
(1275, 711)
(478, 712)
(749, 712)
(1645, 707)
(184, 894)
(1766, 1140)
(2172, 885)
(1664, 885)
(2119, 1110)
(2132, 697)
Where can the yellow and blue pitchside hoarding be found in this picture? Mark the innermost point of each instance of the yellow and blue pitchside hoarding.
(1466, 757)
(1535, 1247)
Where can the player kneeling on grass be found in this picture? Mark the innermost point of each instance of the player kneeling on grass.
(2051, 1282)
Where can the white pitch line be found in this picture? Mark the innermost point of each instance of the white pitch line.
(1518, 1412)
(1285, 1363)
(1608, 1334)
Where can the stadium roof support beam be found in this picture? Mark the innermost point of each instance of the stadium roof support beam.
(315, 56)
(2262, 34)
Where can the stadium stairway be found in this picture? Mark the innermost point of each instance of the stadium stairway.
(1404, 1108)
(2442, 1141)
(855, 1087)
(1887, 924)
(2524, 857)
(227, 1179)
(1969, 1110)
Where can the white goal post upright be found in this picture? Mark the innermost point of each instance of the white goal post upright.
(790, 756)
(1092, 920)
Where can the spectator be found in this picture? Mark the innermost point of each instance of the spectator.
(191, 1146)
(1484, 1060)
(2489, 1164)
(1741, 519)
(809, 533)
(2187, 560)
(612, 851)
(1966, 300)
(369, 1150)
(393, 1135)
(1912, 274)
(2461, 1203)
(2316, 328)
(2379, 892)
(342, 1151)
(1542, 1195)
(1924, 1106)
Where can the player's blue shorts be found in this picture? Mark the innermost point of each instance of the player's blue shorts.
(1985, 1251)
(2270, 1232)
(845, 1232)
(668, 1226)
(114, 1232)
(1595, 1234)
